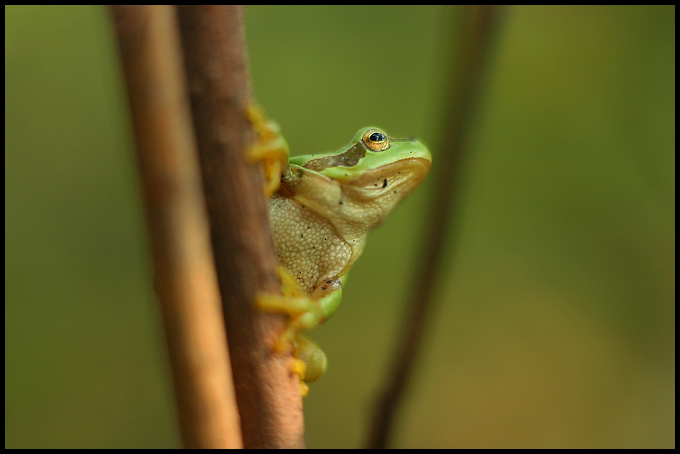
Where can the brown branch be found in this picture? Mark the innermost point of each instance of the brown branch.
(477, 27)
(184, 273)
(268, 395)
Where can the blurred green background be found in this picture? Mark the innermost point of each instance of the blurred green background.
(555, 324)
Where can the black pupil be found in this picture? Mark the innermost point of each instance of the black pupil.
(377, 137)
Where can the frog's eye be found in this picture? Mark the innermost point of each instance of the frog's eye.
(376, 140)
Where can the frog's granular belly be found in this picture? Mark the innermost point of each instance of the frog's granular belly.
(307, 245)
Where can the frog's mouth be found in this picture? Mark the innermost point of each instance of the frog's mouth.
(398, 178)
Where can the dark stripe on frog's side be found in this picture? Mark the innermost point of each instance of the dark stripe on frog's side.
(349, 158)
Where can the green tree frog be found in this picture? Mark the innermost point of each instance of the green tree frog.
(320, 216)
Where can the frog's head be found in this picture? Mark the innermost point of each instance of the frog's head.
(374, 163)
(356, 187)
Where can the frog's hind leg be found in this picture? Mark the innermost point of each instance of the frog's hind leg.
(309, 352)
(304, 312)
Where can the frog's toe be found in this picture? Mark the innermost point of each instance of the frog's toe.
(298, 367)
(304, 388)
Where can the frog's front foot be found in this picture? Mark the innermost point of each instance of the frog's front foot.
(270, 148)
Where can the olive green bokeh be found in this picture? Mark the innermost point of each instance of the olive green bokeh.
(556, 319)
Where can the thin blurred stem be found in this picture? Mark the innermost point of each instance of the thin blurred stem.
(184, 273)
(476, 28)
